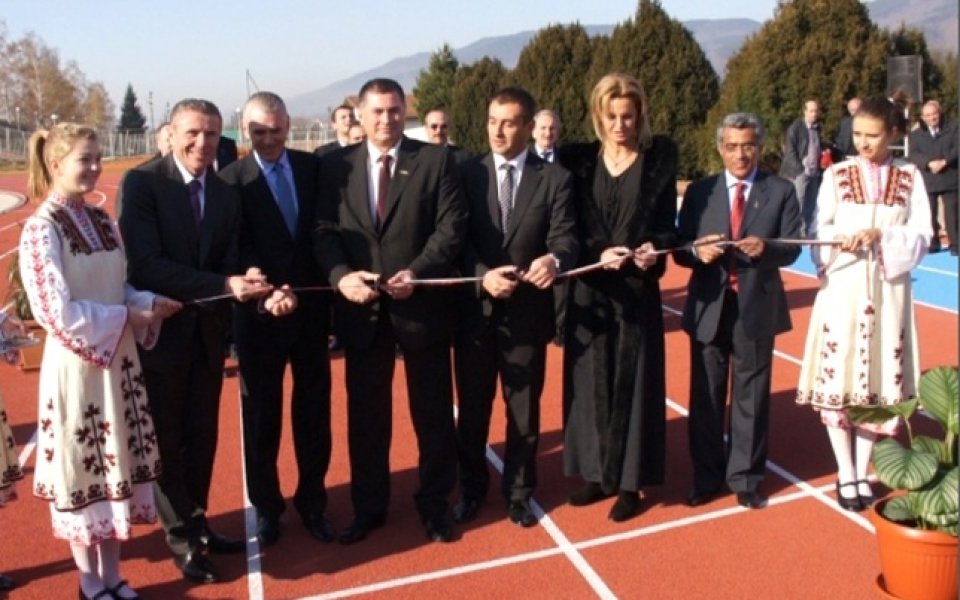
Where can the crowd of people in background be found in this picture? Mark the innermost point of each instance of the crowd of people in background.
(217, 245)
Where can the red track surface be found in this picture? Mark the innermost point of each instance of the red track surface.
(800, 546)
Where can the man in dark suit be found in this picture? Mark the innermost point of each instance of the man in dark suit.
(392, 213)
(844, 140)
(522, 231)
(546, 133)
(180, 224)
(436, 124)
(735, 307)
(226, 153)
(933, 148)
(341, 120)
(801, 160)
(279, 195)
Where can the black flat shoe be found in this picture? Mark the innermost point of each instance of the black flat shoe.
(698, 497)
(438, 530)
(866, 500)
(519, 513)
(751, 500)
(359, 527)
(221, 544)
(268, 530)
(853, 504)
(101, 595)
(319, 527)
(626, 506)
(196, 567)
(115, 591)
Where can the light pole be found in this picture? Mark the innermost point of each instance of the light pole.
(16, 110)
(237, 111)
(53, 118)
(150, 103)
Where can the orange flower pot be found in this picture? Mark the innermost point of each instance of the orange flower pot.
(916, 564)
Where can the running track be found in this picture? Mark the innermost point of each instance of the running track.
(800, 546)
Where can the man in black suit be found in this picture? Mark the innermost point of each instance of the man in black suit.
(844, 141)
(279, 195)
(522, 232)
(226, 153)
(180, 224)
(436, 124)
(341, 120)
(393, 213)
(801, 160)
(933, 148)
(546, 133)
(735, 307)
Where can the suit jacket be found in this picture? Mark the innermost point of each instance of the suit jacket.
(327, 148)
(459, 154)
(773, 211)
(226, 152)
(844, 141)
(924, 148)
(795, 149)
(543, 221)
(423, 230)
(265, 241)
(168, 254)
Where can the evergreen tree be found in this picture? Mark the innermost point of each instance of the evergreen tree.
(131, 117)
(674, 71)
(434, 87)
(947, 63)
(907, 41)
(472, 89)
(828, 50)
(553, 67)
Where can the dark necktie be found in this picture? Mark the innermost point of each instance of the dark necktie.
(383, 187)
(547, 156)
(736, 220)
(285, 199)
(195, 188)
(505, 196)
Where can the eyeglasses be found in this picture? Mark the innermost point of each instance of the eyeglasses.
(748, 148)
(436, 126)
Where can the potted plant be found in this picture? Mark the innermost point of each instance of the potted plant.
(30, 356)
(917, 524)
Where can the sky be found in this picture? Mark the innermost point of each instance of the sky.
(203, 48)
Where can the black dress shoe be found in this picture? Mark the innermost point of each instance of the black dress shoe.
(268, 530)
(196, 567)
(439, 530)
(519, 512)
(590, 493)
(6, 583)
(866, 500)
(466, 510)
(359, 527)
(697, 497)
(221, 544)
(751, 500)
(626, 506)
(319, 527)
(852, 504)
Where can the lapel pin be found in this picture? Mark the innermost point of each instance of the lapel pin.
(403, 172)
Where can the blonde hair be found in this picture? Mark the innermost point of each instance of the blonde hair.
(46, 146)
(620, 85)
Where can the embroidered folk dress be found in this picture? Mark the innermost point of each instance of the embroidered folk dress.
(96, 447)
(861, 348)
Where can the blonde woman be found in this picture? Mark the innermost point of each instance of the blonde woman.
(96, 448)
(614, 390)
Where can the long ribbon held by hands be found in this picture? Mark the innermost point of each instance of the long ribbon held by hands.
(569, 274)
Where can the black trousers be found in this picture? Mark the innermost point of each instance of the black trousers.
(741, 460)
(264, 350)
(480, 358)
(369, 375)
(185, 405)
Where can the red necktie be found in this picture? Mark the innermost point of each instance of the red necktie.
(383, 186)
(736, 219)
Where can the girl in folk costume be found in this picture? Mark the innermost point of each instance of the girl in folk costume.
(96, 448)
(861, 349)
(10, 471)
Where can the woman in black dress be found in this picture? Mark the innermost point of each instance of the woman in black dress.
(614, 390)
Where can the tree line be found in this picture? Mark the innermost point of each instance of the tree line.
(828, 50)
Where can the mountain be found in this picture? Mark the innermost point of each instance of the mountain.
(719, 38)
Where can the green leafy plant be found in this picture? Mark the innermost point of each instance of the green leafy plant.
(925, 469)
(16, 294)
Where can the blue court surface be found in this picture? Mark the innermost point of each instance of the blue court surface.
(934, 281)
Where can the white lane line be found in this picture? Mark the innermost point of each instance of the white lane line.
(28, 448)
(254, 565)
(937, 271)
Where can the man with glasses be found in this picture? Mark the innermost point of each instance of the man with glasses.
(735, 307)
(436, 124)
